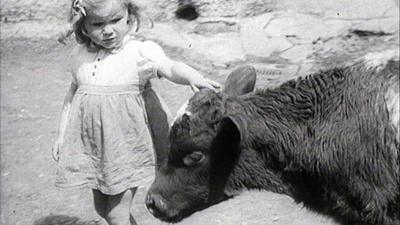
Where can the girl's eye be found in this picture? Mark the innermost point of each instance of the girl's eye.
(115, 20)
(194, 158)
(97, 24)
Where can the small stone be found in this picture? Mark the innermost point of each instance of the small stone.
(275, 218)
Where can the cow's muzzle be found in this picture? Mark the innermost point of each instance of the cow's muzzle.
(159, 208)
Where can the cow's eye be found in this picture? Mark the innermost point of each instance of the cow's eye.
(193, 158)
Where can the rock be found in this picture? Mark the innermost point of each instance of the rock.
(297, 53)
(231, 8)
(341, 9)
(168, 35)
(304, 26)
(241, 210)
(336, 28)
(280, 31)
(257, 41)
(385, 25)
(216, 25)
(272, 75)
(219, 48)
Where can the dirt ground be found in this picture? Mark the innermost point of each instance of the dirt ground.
(34, 80)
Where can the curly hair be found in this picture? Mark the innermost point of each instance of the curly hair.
(78, 13)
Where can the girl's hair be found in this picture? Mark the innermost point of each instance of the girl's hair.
(78, 13)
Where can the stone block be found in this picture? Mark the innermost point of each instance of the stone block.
(298, 53)
(257, 41)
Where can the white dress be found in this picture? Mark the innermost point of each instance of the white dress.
(107, 144)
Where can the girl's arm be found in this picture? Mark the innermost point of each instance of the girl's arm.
(181, 73)
(175, 71)
(64, 117)
(66, 108)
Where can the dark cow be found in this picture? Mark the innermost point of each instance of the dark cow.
(329, 140)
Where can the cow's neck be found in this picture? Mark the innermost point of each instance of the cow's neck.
(250, 173)
(256, 168)
(271, 134)
(277, 122)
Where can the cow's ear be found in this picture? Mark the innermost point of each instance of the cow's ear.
(225, 151)
(234, 129)
(240, 81)
(158, 123)
(230, 138)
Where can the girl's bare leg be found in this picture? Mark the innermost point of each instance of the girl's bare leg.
(118, 208)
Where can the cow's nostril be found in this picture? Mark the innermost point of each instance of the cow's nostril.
(156, 205)
(150, 203)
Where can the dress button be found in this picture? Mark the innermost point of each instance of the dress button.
(98, 59)
(93, 74)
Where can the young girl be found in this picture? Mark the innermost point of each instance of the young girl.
(104, 142)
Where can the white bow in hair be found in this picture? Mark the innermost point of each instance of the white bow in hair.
(77, 5)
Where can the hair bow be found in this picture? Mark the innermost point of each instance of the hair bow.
(77, 6)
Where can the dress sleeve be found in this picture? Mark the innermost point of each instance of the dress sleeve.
(153, 52)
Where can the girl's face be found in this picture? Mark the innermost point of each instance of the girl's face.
(107, 25)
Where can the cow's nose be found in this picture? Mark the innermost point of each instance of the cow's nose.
(156, 205)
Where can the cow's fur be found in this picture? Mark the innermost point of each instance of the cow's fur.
(329, 140)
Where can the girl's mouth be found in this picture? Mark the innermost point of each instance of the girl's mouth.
(108, 40)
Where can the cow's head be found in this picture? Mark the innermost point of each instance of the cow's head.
(205, 143)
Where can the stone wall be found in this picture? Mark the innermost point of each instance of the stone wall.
(162, 10)
(295, 35)
(218, 14)
(33, 10)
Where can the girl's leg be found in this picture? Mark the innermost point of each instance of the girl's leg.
(100, 203)
(118, 208)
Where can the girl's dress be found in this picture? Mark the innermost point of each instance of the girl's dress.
(107, 144)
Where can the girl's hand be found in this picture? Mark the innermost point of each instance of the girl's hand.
(56, 149)
(205, 83)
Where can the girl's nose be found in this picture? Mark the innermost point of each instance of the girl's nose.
(107, 30)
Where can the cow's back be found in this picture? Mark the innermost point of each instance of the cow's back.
(356, 135)
(343, 125)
